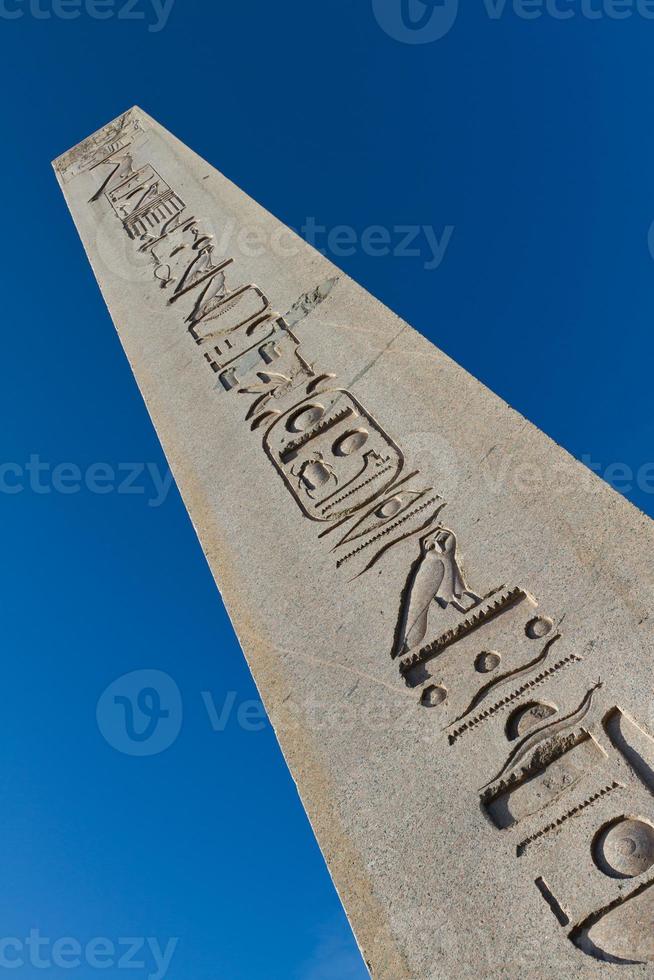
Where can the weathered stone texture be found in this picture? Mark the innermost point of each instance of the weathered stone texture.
(448, 618)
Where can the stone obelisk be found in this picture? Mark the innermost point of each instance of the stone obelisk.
(447, 617)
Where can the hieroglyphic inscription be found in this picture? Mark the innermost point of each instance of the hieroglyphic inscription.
(609, 900)
(480, 664)
(341, 466)
(103, 146)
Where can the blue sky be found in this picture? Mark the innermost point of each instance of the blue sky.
(525, 148)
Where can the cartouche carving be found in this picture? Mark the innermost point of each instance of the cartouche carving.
(327, 451)
(322, 425)
(388, 506)
(374, 465)
(346, 473)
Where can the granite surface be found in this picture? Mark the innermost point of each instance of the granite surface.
(447, 617)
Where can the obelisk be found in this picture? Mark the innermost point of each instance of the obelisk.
(447, 617)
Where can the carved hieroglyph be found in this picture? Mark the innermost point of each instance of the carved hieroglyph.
(447, 617)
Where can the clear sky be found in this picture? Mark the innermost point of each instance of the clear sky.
(524, 147)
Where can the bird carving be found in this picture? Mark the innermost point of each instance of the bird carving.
(436, 577)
